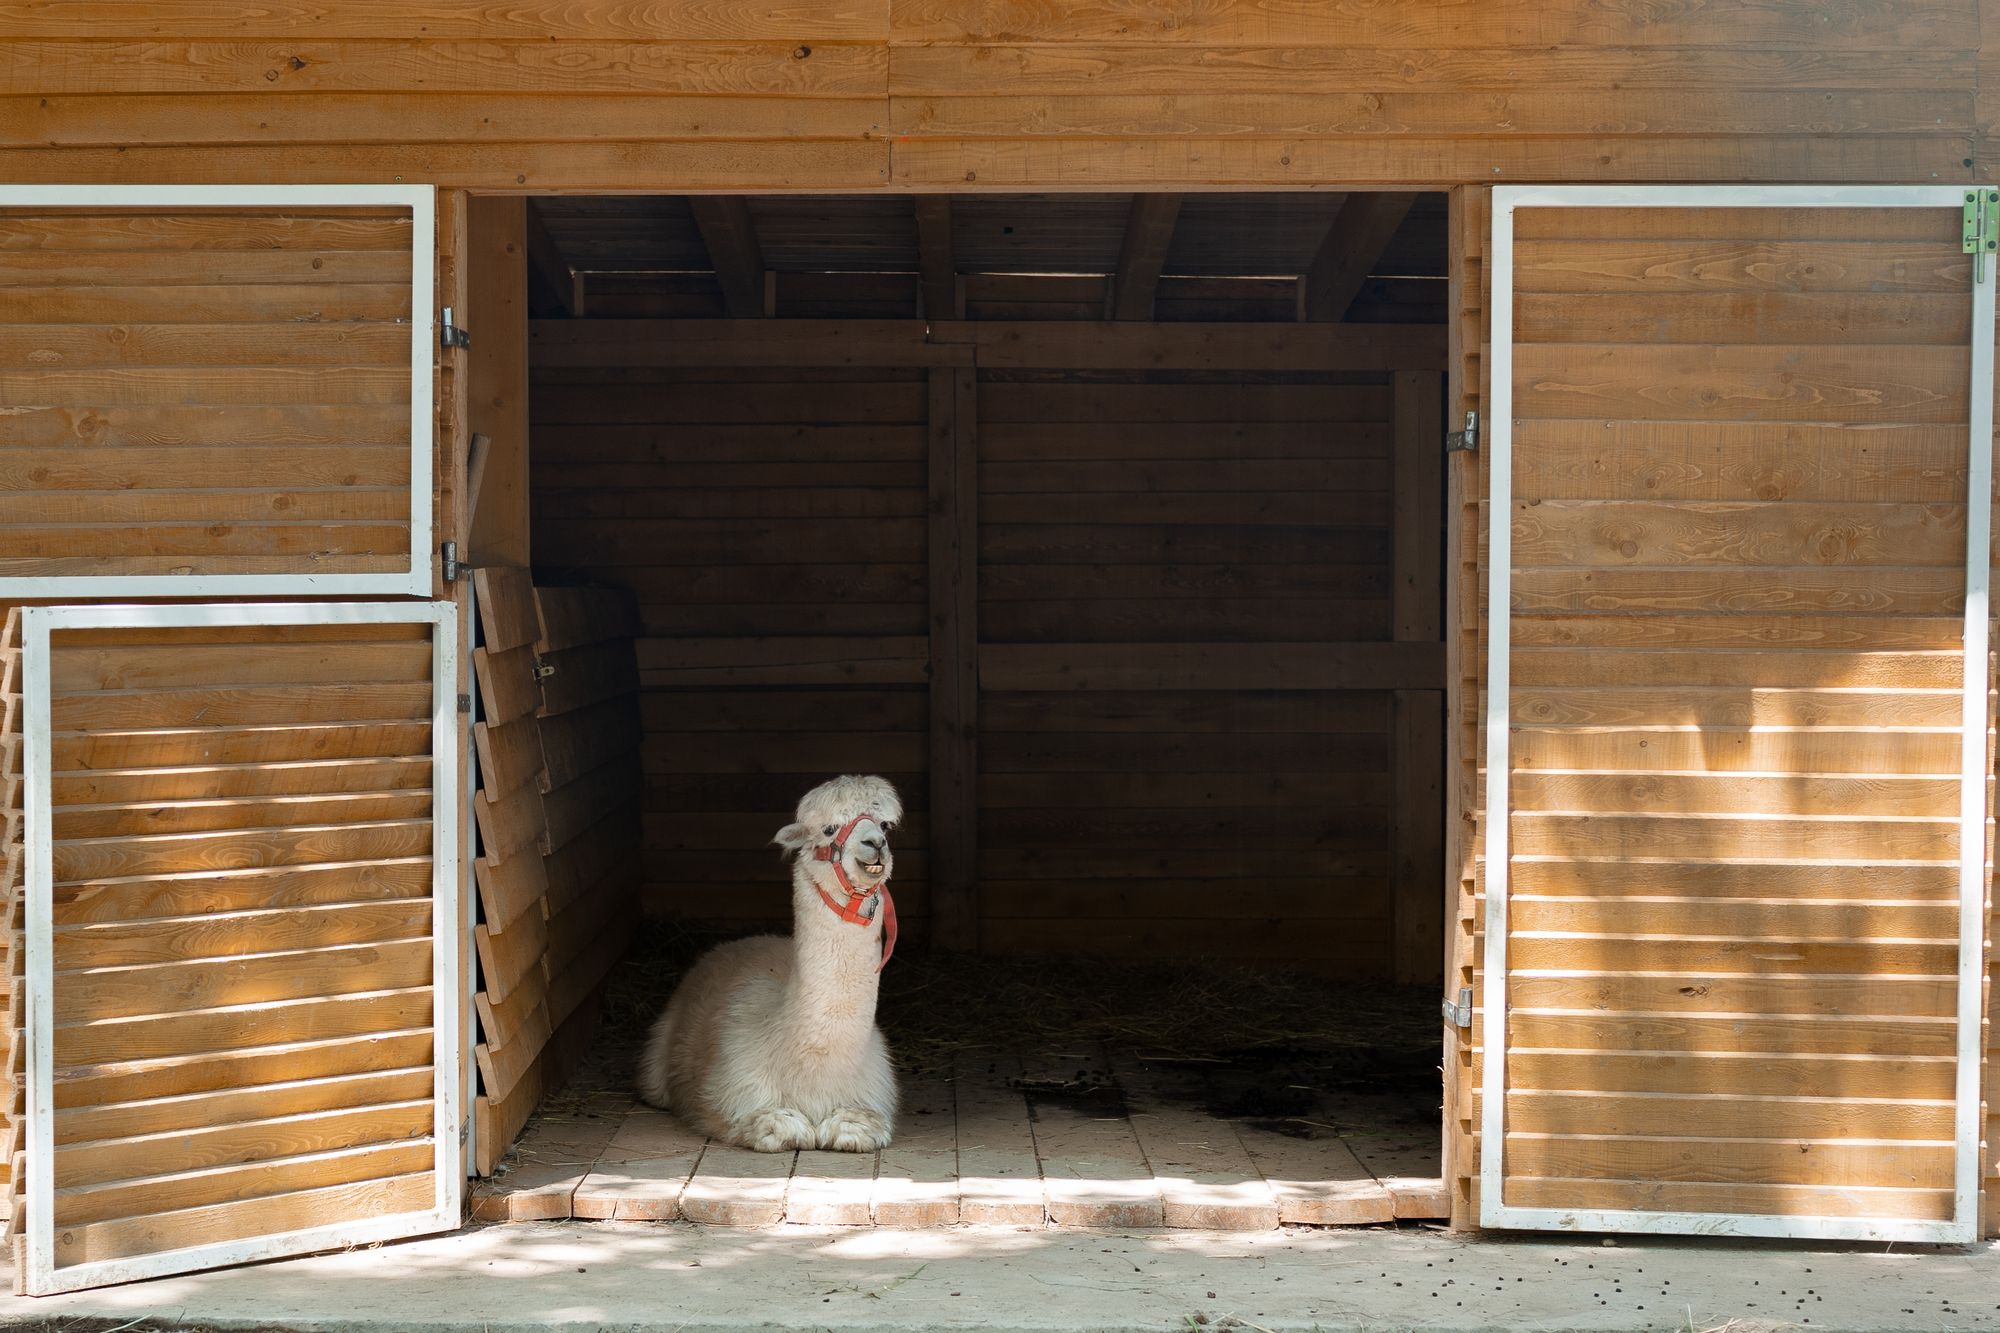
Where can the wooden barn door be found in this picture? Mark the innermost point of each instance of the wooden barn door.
(243, 1000)
(1736, 753)
(242, 933)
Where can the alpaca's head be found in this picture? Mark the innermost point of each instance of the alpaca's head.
(830, 807)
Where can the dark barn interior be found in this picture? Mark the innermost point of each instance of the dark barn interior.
(1109, 528)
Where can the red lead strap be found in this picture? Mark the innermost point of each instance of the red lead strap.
(851, 910)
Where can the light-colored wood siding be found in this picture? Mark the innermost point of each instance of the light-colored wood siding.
(1017, 93)
(558, 817)
(1465, 669)
(1737, 588)
(242, 947)
(213, 391)
(13, 931)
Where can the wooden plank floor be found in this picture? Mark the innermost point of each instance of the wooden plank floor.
(1046, 1138)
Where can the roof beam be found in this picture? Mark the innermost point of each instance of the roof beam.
(940, 269)
(551, 283)
(733, 252)
(1149, 230)
(1361, 231)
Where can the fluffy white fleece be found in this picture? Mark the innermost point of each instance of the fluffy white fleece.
(770, 1043)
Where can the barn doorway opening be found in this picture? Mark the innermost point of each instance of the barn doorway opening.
(1109, 528)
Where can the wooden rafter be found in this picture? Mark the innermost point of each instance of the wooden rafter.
(1361, 231)
(940, 270)
(551, 283)
(1149, 230)
(738, 260)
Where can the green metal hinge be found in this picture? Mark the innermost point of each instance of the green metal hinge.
(1982, 229)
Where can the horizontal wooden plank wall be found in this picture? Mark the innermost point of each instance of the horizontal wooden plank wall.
(1465, 667)
(557, 811)
(1989, 1164)
(591, 795)
(771, 524)
(212, 391)
(511, 937)
(242, 824)
(996, 297)
(1012, 94)
(1167, 765)
(1734, 711)
(13, 942)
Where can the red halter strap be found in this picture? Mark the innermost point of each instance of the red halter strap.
(850, 911)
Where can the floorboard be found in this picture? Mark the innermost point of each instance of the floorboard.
(1102, 1138)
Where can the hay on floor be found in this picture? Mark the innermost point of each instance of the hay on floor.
(936, 1007)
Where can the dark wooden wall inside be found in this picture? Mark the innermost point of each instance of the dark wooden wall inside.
(1185, 584)
(1175, 514)
(771, 522)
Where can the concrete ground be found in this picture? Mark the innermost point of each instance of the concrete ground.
(677, 1278)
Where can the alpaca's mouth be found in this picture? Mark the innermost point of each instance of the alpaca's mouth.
(874, 869)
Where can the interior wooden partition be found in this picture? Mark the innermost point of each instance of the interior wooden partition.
(1144, 618)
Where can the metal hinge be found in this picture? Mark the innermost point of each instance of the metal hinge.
(465, 703)
(449, 334)
(449, 551)
(543, 670)
(1982, 229)
(1460, 1015)
(1464, 441)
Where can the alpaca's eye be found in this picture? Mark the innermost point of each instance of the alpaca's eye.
(889, 827)
(831, 830)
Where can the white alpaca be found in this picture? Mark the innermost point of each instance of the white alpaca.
(770, 1043)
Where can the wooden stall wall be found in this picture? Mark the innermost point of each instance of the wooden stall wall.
(771, 523)
(826, 94)
(1468, 355)
(1176, 757)
(557, 810)
(13, 939)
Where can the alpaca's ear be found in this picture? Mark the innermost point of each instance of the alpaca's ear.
(794, 838)
(884, 801)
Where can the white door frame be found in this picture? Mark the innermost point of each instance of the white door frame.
(41, 1277)
(421, 200)
(1964, 1223)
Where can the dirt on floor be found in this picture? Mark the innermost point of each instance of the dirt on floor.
(1287, 1052)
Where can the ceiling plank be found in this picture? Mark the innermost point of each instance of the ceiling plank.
(1361, 231)
(940, 269)
(724, 220)
(1149, 230)
(551, 283)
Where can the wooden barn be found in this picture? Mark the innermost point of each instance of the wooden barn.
(1480, 502)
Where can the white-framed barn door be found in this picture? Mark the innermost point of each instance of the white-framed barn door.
(244, 924)
(216, 390)
(1736, 750)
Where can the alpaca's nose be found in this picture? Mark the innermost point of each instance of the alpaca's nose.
(874, 845)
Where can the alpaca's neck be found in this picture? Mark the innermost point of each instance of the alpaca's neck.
(831, 1002)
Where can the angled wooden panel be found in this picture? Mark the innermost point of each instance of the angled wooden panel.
(210, 391)
(247, 1019)
(1737, 727)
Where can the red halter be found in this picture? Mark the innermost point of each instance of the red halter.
(856, 898)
